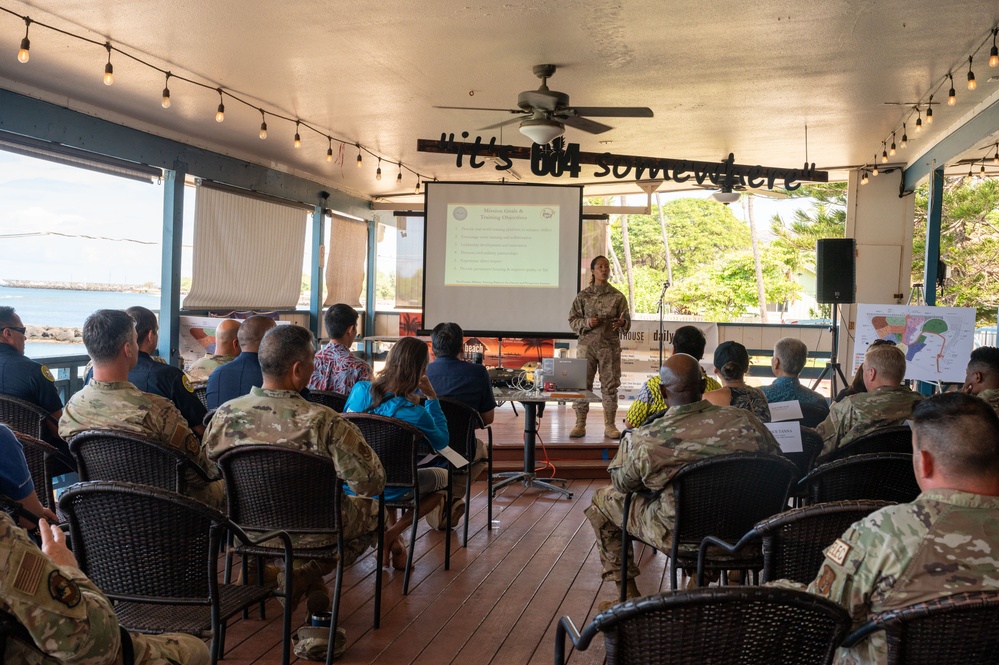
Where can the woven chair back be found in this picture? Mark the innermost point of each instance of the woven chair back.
(333, 400)
(22, 416)
(897, 439)
(396, 444)
(876, 476)
(105, 455)
(39, 456)
(462, 421)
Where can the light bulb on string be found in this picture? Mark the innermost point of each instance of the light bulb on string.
(23, 54)
(108, 68)
(884, 153)
(378, 171)
(995, 160)
(165, 102)
(951, 95)
(329, 150)
(220, 113)
(972, 84)
(891, 150)
(874, 169)
(263, 125)
(919, 120)
(398, 178)
(417, 190)
(360, 160)
(298, 137)
(970, 174)
(905, 138)
(994, 53)
(929, 111)
(863, 178)
(981, 171)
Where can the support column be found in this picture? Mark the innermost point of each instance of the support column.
(173, 236)
(934, 215)
(317, 277)
(369, 296)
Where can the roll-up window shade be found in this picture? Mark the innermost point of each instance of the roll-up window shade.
(348, 250)
(247, 253)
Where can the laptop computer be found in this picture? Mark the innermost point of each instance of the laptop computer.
(566, 373)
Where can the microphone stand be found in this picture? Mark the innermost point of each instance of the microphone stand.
(662, 310)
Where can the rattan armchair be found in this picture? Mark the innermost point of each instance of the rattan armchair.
(41, 458)
(720, 496)
(334, 400)
(895, 439)
(953, 630)
(270, 487)
(793, 541)
(155, 554)
(23, 416)
(397, 445)
(876, 476)
(812, 415)
(811, 446)
(201, 392)
(725, 625)
(462, 423)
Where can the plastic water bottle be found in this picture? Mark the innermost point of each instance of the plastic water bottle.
(539, 380)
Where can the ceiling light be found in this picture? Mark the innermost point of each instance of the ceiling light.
(972, 84)
(263, 125)
(919, 119)
(378, 171)
(884, 153)
(23, 54)
(542, 130)
(905, 138)
(298, 137)
(398, 178)
(951, 95)
(220, 113)
(995, 160)
(329, 150)
(863, 178)
(108, 68)
(994, 53)
(929, 111)
(891, 151)
(982, 170)
(417, 190)
(360, 161)
(725, 197)
(874, 169)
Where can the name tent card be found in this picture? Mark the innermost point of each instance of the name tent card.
(780, 411)
(788, 435)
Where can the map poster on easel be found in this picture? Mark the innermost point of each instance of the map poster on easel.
(937, 341)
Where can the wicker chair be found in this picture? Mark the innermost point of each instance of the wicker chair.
(953, 630)
(40, 457)
(17, 512)
(812, 415)
(22, 416)
(811, 446)
(896, 439)
(397, 445)
(201, 392)
(462, 422)
(720, 496)
(108, 455)
(725, 625)
(877, 476)
(793, 541)
(271, 487)
(155, 553)
(335, 401)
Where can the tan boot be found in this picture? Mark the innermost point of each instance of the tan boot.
(630, 593)
(610, 429)
(579, 431)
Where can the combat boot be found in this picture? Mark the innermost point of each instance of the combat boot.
(610, 430)
(579, 431)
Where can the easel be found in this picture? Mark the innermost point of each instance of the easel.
(832, 367)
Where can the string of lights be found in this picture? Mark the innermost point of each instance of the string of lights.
(919, 106)
(24, 56)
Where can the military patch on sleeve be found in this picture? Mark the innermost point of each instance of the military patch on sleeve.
(825, 581)
(47, 374)
(187, 383)
(29, 572)
(64, 589)
(838, 552)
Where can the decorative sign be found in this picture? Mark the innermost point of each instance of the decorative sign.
(563, 158)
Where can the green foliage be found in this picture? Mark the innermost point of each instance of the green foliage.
(827, 219)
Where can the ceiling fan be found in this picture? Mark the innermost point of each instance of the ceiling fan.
(550, 112)
(728, 192)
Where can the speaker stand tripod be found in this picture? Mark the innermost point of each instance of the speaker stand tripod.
(832, 367)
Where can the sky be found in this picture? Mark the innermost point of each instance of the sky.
(44, 198)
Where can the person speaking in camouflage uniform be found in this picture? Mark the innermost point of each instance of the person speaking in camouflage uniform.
(111, 402)
(599, 315)
(692, 429)
(982, 376)
(277, 414)
(945, 542)
(885, 404)
(66, 615)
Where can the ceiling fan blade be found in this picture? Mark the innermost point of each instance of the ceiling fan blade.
(500, 124)
(479, 108)
(613, 111)
(586, 125)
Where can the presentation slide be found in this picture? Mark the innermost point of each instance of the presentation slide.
(502, 260)
(490, 245)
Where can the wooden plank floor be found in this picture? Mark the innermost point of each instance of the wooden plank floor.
(499, 603)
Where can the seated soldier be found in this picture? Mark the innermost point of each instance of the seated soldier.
(277, 414)
(692, 429)
(110, 402)
(982, 376)
(15, 478)
(468, 383)
(226, 350)
(337, 369)
(235, 379)
(942, 543)
(67, 616)
(686, 339)
(790, 355)
(885, 404)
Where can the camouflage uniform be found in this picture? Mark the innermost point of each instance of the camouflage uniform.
(650, 400)
(863, 413)
(284, 418)
(203, 367)
(646, 460)
(944, 542)
(601, 346)
(992, 397)
(68, 617)
(121, 407)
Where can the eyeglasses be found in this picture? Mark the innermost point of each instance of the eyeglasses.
(21, 329)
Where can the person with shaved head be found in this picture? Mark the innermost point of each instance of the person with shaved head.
(691, 429)
(226, 350)
(237, 378)
(982, 376)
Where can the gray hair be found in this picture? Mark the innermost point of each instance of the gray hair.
(792, 354)
(282, 347)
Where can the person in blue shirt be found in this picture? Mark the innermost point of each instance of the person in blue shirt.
(395, 392)
(15, 478)
(236, 378)
(790, 355)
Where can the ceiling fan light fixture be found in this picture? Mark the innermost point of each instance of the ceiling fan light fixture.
(725, 197)
(542, 130)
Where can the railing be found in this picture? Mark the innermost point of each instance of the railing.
(68, 373)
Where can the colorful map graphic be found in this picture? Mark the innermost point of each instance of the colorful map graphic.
(910, 332)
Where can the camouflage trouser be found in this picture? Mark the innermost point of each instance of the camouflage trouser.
(211, 493)
(169, 649)
(606, 512)
(606, 359)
